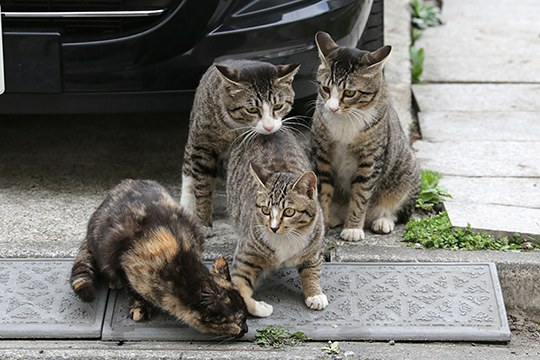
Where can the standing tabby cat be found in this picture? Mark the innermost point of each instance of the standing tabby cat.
(236, 98)
(366, 168)
(141, 239)
(272, 201)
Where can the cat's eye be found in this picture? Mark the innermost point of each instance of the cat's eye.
(349, 93)
(252, 110)
(326, 89)
(289, 212)
(278, 106)
(265, 210)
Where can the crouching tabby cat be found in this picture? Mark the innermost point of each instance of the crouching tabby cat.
(140, 239)
(367, 171)
(235, 100)
(272, 201)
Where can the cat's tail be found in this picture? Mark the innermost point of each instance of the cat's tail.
(407, 209)
(82, 274)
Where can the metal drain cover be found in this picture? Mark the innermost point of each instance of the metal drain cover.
(36, 301)
(368, 301)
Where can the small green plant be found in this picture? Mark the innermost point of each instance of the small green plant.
(277, 337)
(332, 348)
(431, 193)
(424, 15)
(437, 232)
(417, 64)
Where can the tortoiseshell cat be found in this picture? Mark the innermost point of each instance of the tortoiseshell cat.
(366, 167)
(140, 239)
(272, 201)
(235, 100)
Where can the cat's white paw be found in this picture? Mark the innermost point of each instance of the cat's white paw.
(261, 309)
(383, 225)
(352, 234)
(317, 302)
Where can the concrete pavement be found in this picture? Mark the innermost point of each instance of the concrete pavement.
(479, 113)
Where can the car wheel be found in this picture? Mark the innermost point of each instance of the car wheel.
(373, 36)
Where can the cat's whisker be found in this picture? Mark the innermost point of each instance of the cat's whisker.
(237, 129)
(292, 130)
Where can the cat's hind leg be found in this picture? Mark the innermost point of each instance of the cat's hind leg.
(384, 214)
(337, 214)
(83, 274)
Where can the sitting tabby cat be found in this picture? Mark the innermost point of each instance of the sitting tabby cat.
(367, 170)
(235, 99)
(272, 201)
(139, 238)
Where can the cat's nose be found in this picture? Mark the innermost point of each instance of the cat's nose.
(333, 109)
(274, 229)
(268, 127)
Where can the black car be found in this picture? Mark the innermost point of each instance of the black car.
(92, 56)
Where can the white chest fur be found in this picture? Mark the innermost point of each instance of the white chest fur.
(286, 247)
(344, 164)
(343, 130)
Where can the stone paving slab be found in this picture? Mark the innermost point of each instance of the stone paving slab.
(472, 46)
(37, 302)
(439, 126)
(480, 158)
(520, 192)
(498, 219)
(368, 301)
(477, 97)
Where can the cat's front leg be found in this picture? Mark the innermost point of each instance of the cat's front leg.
(199, 174)
(361, 191)
(254, 307)
(310, 276)
(326, 176)
(139, 310)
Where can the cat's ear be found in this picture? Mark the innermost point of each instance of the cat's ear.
(307, 183)
(326, 45)
(230, 75)
(379, 57)
(221, 268)
(258, 173)
(286, 72)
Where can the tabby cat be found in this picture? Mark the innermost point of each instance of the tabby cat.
(140, 239)
(272, 201)
(235, 100)
(367, 170)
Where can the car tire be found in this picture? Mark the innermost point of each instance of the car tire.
(373, 36)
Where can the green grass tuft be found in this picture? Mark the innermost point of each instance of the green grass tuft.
(417, 64)
(277, 337)
(424, 15)
(431, 193)
(437, 232)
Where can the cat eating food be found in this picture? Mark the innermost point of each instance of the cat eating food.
(367, 170)
(141, 240)
(235, 101)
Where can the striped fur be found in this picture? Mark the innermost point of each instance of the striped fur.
(140, 239)
(366, 167)
(272, 201)
(234, 101)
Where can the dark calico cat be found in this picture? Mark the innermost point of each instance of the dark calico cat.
(367, 170)
(272, 200)
(235, 100)
(139, 238)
